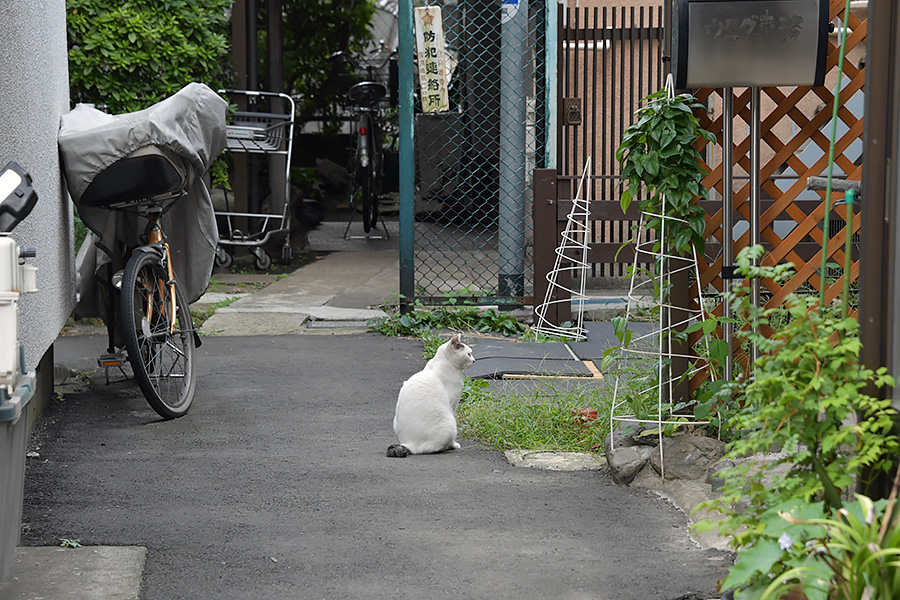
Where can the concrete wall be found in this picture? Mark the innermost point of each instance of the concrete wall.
(34, 93)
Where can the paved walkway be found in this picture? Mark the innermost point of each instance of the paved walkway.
(335, 292)
(275, 485)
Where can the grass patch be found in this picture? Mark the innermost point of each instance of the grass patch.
(575, 420)
(200, 313)
(218, 286)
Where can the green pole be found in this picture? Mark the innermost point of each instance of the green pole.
(407, 172)
(848, 232)
(834, 118)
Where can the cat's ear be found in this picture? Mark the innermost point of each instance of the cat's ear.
(456, 342)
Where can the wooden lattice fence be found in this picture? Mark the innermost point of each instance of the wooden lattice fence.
(795, 141)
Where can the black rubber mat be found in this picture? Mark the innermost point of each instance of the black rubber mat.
(601, 337)
(491, 368)
(511, 349)
(494, 358)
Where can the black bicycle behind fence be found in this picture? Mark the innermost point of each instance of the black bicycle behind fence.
(369, 96)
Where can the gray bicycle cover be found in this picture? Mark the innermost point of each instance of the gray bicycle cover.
(191, 123)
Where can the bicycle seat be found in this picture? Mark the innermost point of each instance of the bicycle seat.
(151, 175)
(367, 93)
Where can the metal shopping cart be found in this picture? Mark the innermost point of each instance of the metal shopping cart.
(256, 131)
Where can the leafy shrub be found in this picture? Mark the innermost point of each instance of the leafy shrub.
(657, 152)
(422, 320)
(129, 55)
(848, 555)
(805, 397)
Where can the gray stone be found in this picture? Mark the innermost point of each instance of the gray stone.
(688, 457)
(86, 573)
(626, 462)
(61, 373)
(332, 175)
(713, 477)
(555, 461)
(623, 435)
(220, 200)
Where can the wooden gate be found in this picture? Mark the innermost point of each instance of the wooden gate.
(609, 59)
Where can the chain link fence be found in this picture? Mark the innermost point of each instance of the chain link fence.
(474, 162)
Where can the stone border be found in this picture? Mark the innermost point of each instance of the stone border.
(555, 461)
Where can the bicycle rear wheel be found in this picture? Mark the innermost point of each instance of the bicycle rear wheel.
(160, 350)
(364, 189)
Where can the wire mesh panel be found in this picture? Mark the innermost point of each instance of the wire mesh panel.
(473, 162)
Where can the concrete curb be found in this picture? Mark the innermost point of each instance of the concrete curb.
(85, 573)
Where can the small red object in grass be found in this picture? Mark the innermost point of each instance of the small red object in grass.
(585, 416)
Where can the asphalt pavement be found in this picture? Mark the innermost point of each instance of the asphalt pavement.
(276, 484)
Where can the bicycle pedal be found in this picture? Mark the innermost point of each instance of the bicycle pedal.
(112, 359)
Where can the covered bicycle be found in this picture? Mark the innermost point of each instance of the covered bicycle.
(137, 181)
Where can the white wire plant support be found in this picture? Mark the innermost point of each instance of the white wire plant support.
(571, 255)
(645, 361)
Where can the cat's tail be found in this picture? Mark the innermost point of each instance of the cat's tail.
(398, 451)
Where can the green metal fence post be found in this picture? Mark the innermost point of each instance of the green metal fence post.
(407, 168)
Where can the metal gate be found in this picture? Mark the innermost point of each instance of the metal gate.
(466, 230)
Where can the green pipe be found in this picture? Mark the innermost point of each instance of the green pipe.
(834, 117)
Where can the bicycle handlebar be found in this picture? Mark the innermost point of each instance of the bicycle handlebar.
(368, 61)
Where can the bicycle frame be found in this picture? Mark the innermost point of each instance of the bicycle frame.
(366, 140)
(156, 238)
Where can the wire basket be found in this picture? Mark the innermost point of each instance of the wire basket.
(258, 132)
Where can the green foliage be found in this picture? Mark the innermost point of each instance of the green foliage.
(780, 547)
(69, 543)
(657, 153)
(422, 320)
(806, 399)
(201, 312)
(128, 55)
(313, 31)
(852, 555)
(81, 230)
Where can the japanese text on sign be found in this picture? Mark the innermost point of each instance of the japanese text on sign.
(430, 50)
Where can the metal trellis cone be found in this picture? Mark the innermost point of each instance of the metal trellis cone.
(571, 255)
(644, 362)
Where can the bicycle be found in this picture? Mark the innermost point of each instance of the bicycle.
(129, 175)
(365, 98)
(156, 322)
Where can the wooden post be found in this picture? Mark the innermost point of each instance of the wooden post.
(548, 230)
(544, 217)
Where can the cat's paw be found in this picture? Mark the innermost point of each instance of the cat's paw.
(397, 451)
(456, 446)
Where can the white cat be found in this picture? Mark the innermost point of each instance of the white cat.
(425, 417)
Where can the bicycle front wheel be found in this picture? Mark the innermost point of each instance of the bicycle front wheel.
(160, 343)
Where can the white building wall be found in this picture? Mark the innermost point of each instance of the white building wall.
(34, 93)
